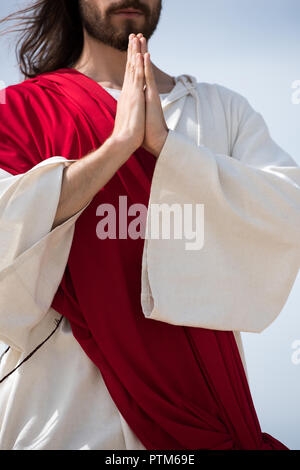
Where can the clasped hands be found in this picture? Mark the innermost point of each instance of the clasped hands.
(139, 119)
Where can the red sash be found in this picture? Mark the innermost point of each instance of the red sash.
(177, 387)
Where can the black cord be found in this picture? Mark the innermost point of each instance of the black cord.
(3, 354)
(32, 353)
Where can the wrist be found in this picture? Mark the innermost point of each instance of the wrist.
(159, 144)
(123, 148)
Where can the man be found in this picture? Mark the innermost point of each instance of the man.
(117, 342)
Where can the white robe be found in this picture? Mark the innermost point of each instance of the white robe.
(218, 153)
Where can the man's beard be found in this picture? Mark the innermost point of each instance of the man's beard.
(102, 29)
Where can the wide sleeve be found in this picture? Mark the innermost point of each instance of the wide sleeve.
(241, 272)
(33, 257)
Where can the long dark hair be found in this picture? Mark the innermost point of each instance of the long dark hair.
(51, 35)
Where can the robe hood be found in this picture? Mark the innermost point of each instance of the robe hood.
(185, 85)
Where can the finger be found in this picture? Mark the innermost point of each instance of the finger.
(138, 45)
(130, 42)
(149, 75)
(139, 70)
(128, 69)
(131, 56)
(136, 48)
(143, 43)
(129, 51)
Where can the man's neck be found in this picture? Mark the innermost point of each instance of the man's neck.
(106, 66)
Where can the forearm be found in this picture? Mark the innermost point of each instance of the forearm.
(85, 177)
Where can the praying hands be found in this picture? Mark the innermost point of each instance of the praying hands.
(140, 120)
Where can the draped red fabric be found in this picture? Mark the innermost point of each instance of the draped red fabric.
(177, 387)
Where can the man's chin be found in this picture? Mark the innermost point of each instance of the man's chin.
(121, 41)
(120, 44)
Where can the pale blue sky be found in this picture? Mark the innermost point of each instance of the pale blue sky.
(253, 47)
